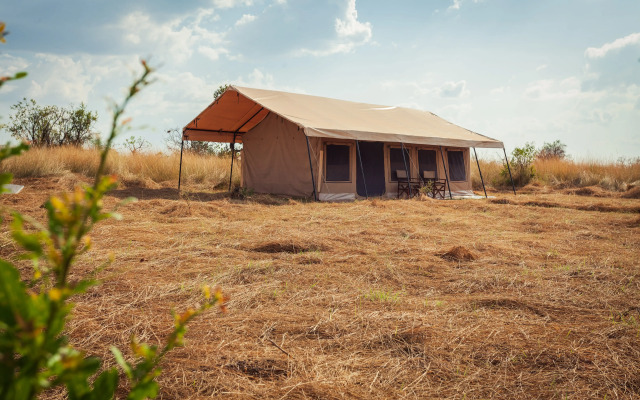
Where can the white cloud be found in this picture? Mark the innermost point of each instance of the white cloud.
(600, 116)
(70, 79)
(350, 33)
(174, 40)
(245, 19)
(12, 64)
(457, 4)
(541, 67)
(231, 3)
(599, 52)
(454, 89)
(550, 89)
(211, 52)
(500, 90)
(350, 27)
(263, 80)
(257, 79)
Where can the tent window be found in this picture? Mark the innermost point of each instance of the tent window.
(457, 171)
(396, 162)
(427, 161)
(337, 163)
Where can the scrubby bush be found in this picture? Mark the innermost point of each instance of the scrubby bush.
(551, 150)
(522, 169)
(47, 126)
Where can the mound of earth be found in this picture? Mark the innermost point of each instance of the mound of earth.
(594, 191)
(633, 193)
(458, 253)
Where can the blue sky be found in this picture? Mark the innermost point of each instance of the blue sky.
(518, 71)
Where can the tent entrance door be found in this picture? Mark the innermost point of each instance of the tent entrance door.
(371, 169)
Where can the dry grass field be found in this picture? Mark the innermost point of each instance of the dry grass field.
(153, 170)
(528, 296)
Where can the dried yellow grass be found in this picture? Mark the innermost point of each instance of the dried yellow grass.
(213, 171)
(615, 176)
(141, 167)
(356, 300)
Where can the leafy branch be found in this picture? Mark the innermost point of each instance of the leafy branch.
(34, 352)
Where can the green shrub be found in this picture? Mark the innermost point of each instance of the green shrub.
(34, 352)
(521, 165)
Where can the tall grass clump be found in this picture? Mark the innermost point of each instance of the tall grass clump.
(565, 173)
(212, 170)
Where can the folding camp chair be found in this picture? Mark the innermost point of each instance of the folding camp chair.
(436, 186)
(406, 185)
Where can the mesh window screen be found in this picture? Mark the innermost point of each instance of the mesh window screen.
(427, 161)
(396, 162)
(337, 168)
(457, 171)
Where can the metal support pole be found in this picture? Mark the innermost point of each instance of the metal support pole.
(406, 168)
(481, 179)
(313, 179)
(180, 171)
(233, 153)
(445, 172)
(509, 168)
(364, 181)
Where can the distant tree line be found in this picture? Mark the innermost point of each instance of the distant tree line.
(49, 126)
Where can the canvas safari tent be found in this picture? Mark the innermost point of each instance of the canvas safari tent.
(301, 145)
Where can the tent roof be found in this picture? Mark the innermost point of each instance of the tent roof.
(240, 109)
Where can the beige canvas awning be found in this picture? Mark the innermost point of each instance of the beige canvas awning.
(240, 109)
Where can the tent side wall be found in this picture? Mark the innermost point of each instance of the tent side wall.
(391, 187)
(457, 187)
(275, 159)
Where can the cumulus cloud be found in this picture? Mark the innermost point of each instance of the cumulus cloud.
(600, 117)
(350, 27)
(257, 79)
(599, 52)
(12, 64)
(231, 3)
(245, 19)
(70, 79)
(551, 89)
(350, 33)
(212, 53)
(453, 89)
(457, 4)
(613, 66)
(174, 40)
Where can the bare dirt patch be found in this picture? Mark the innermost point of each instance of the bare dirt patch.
(287, 247)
